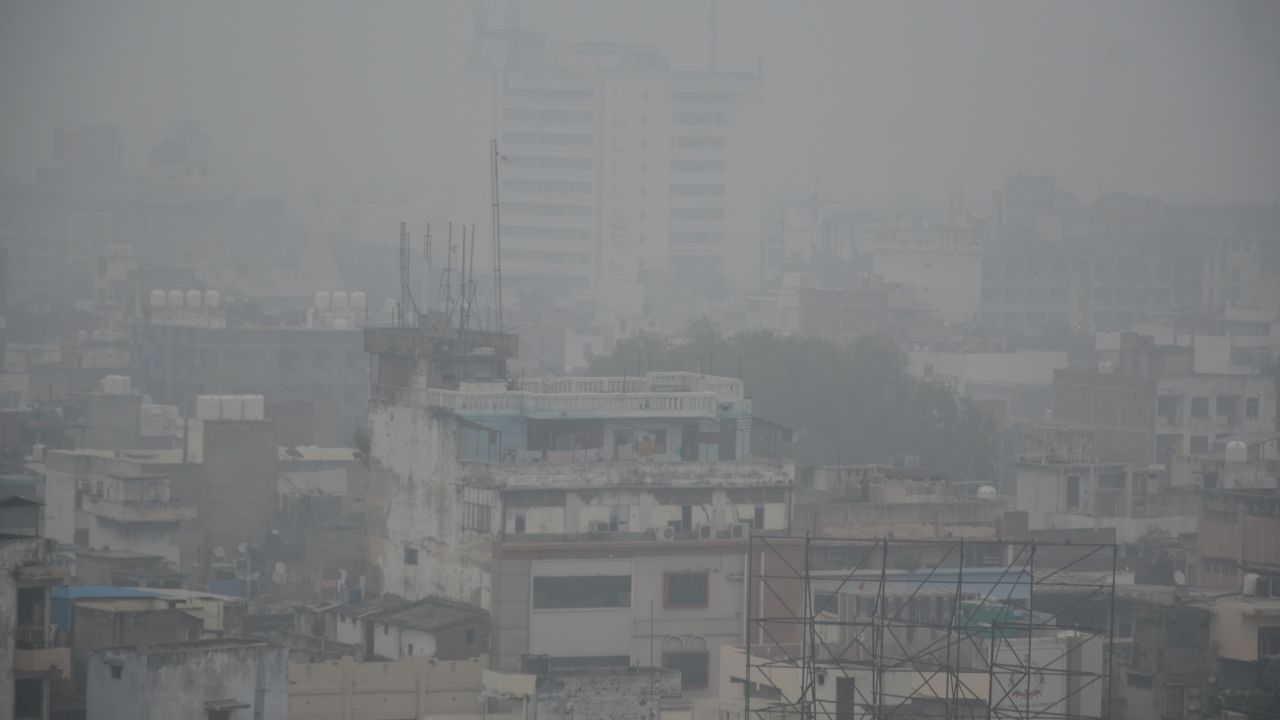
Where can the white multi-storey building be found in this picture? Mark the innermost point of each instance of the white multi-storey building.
(619, 172)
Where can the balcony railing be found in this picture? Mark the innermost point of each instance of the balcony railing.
(34, 637)
(170, 511)
(538, 405)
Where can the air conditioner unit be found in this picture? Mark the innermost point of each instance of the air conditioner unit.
(742, 529)
(598, 526)
(668, 533)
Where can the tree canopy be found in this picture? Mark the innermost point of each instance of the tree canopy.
(848, 404)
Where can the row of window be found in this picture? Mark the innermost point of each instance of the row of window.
(697, 213)
(698, 143)
(547, 210)
(572, 592)
(550, 93)
(708, 119)
(698, 165)
(1226, 406)
(697, 238)
(550, 187)
(546, 115)
(542, 162)
(557, 139)
(541, 256)
(697, 190)
(546, 233)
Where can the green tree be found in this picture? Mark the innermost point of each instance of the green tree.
(848, 404)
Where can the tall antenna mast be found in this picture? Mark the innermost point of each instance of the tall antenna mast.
(426, 277)
(497, 232)
(462, 283)
(446, 280)
(406, 295)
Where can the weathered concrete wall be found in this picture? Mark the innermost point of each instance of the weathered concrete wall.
(238, 499)
(175, 681)
(98, 627)
(159, 538)
(605, 694)
(394, 642)
(415, 503)
(409, 688)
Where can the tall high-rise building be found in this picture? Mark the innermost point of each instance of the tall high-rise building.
(619, 172)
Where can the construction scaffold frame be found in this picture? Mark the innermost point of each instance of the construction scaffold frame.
(874, 629)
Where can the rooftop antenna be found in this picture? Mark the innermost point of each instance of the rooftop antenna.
(462, 283)
(426, 278)
(406, 294)
(497, 231)
(446, 279)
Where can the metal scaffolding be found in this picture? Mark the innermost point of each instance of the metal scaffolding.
(953, 629)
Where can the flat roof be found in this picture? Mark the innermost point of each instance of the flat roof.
(193, 646)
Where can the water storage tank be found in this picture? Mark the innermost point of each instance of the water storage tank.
(212, 298)
(208, 407)
(194, 298)
(157, 298)
(987, 492)
(359, 300)
(232, 408)
(339, 299)
(174, 298)
(254, 407)
(1237, 452)
(1249, 584)
(322, 299)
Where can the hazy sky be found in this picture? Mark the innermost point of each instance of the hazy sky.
(1172, 98)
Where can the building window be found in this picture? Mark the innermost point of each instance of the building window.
(470, 637)
(685, 589)
(1251, 408)
(693, 667)
(117, 671)
(686, 517)
(1167, 407)
(824, 602)
(1199, 444)
(477, 509)
(1200, 407)
(520, 522)
(1226, 406)
(1268, 641)
(758, 522)
(410, 556)
(1073, 492)
(598, 591)
(409, 652)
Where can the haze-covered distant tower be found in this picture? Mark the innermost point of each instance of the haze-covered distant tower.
(619, 171)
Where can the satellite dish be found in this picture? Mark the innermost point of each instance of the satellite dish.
(219, 552)
(1179, 578)
(243, 548)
